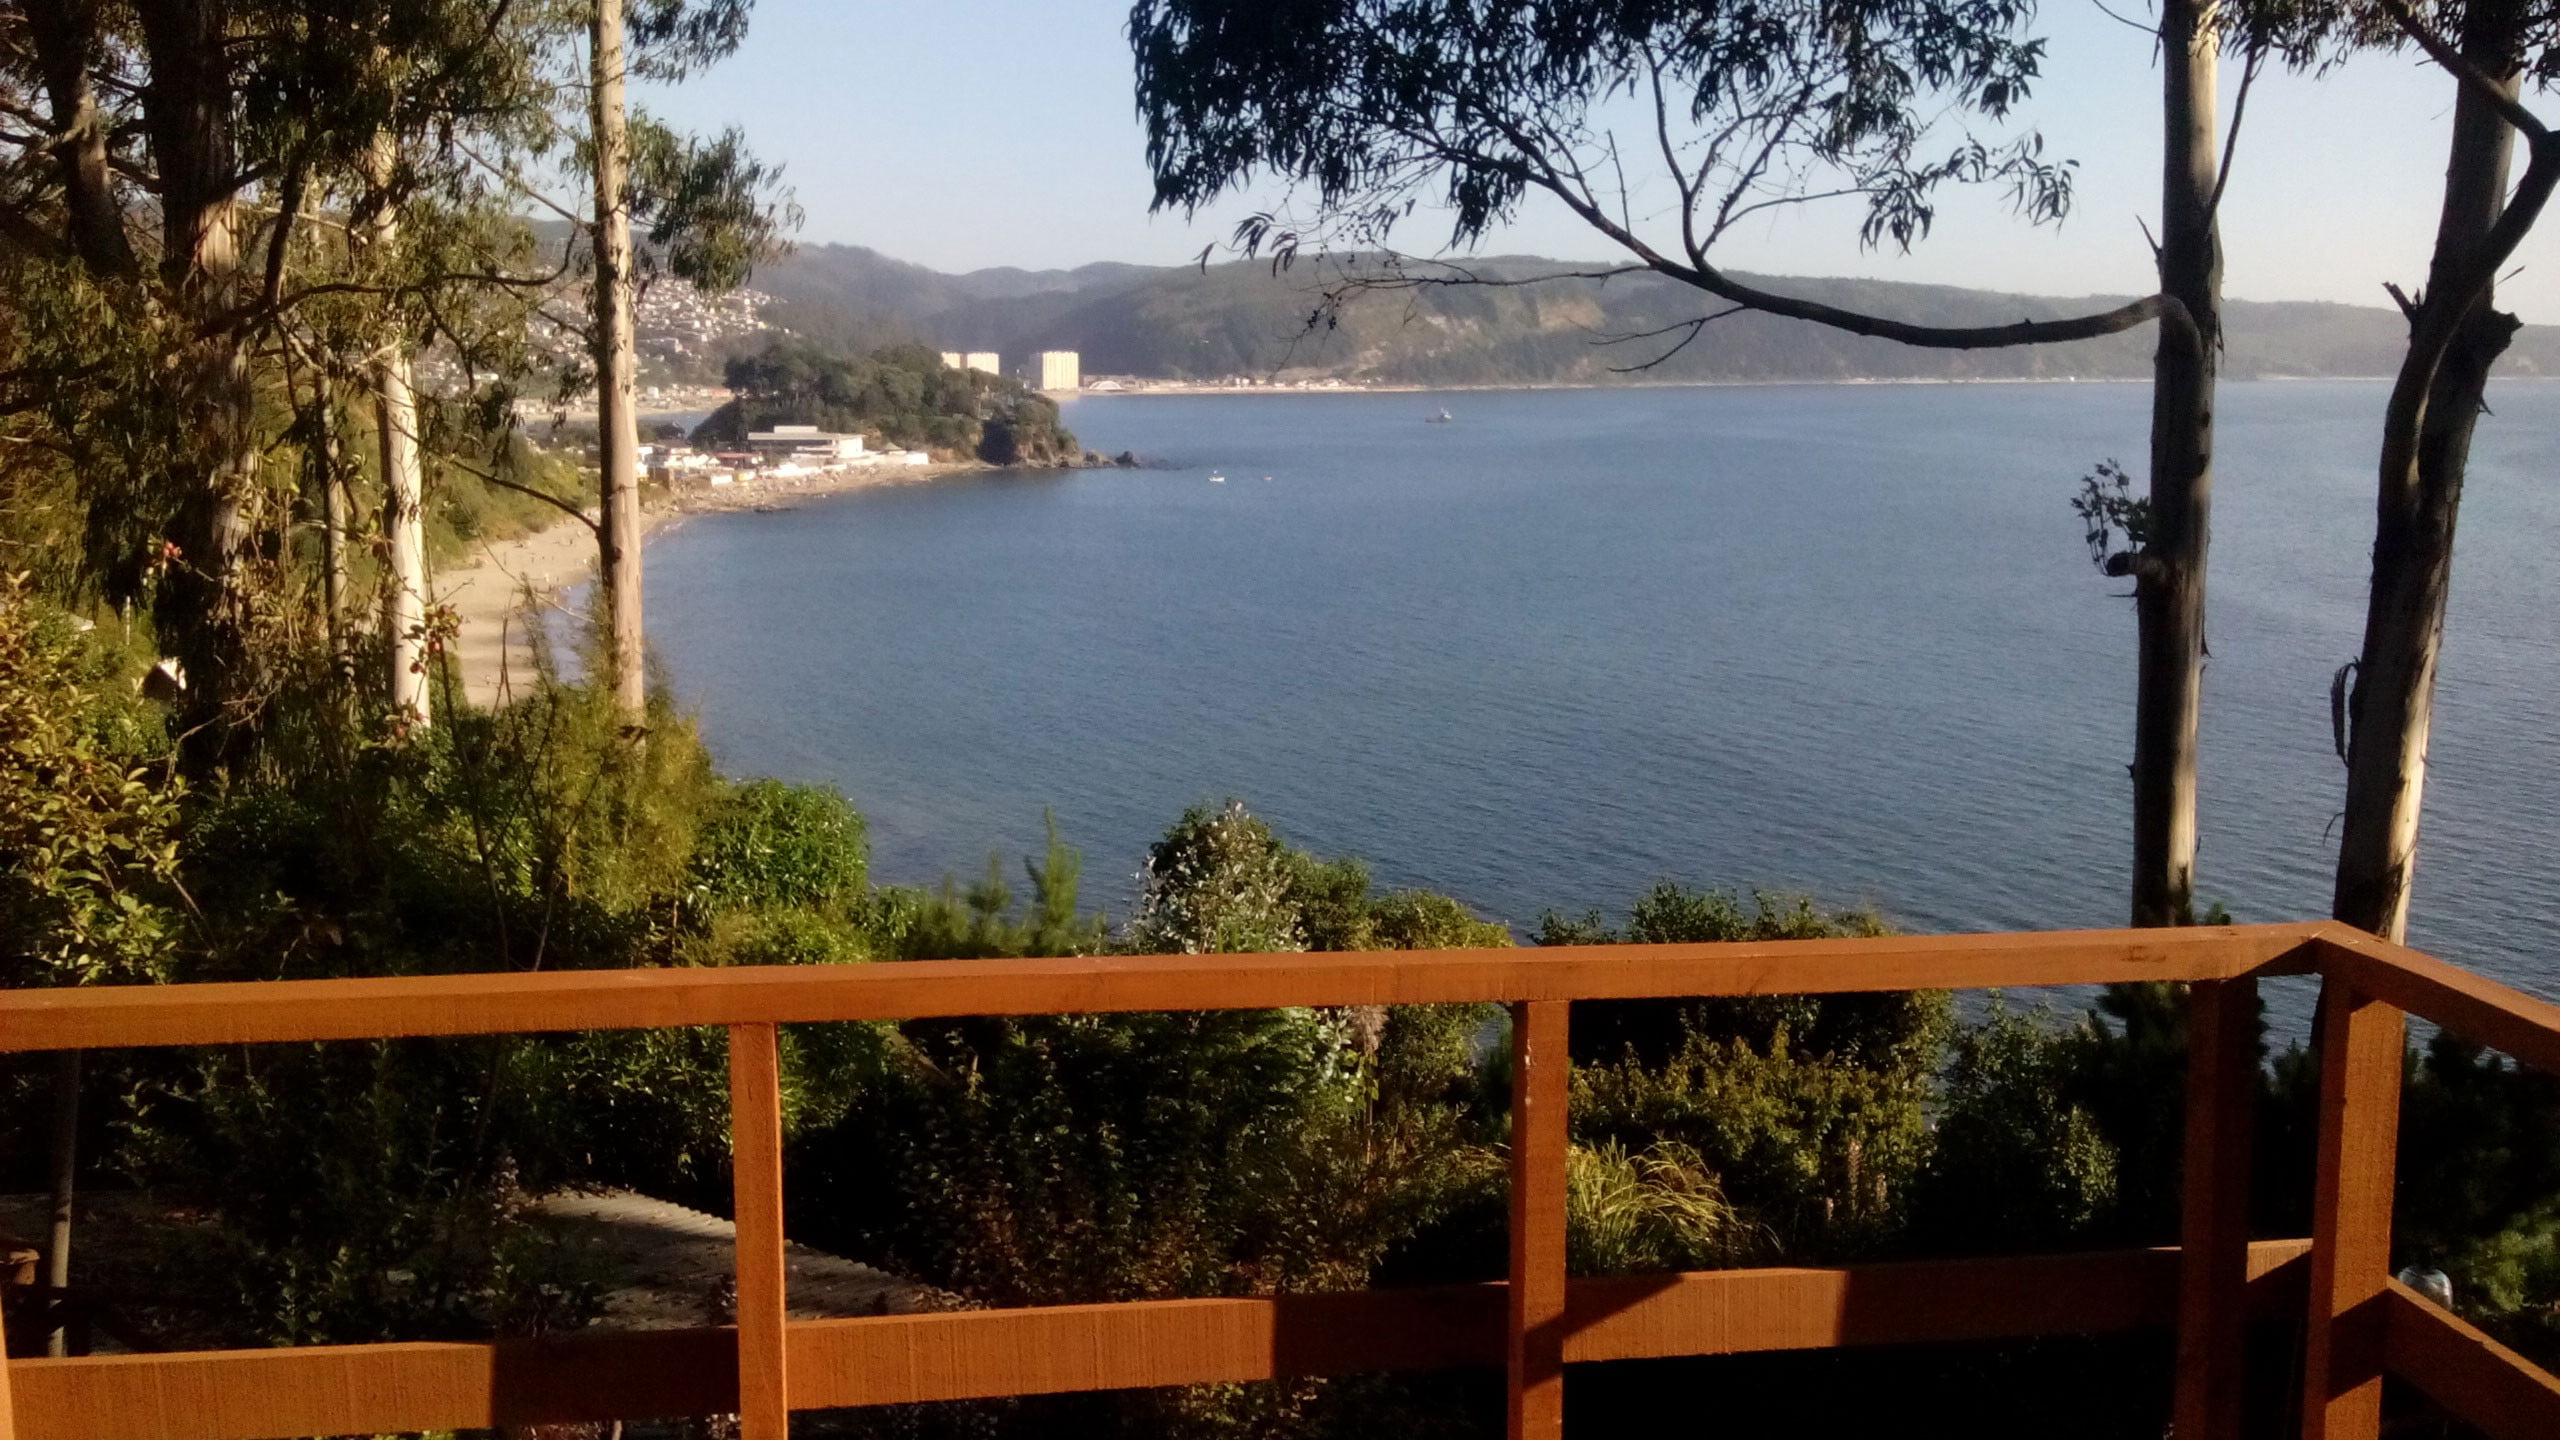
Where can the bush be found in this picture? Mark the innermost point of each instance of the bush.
(1220, 882)
(1809, 1111)
(88, 821)
(768, 843)
(2021, 1163)
(1061, 1159)
(1652, 1210)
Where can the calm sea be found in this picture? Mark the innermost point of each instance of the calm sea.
(1843, 640)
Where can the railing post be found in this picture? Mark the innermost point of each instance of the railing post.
(1541, 1085)
(2213, 1257)
(2361, 1045)
(755, 1158)
(8, 1411)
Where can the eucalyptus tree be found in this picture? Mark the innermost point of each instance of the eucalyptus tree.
(144, 186)
(617, 356)
(1666, 126)
(421, 154)
(159, 168)
(2384, 701)
(707, 206)
(164, 166)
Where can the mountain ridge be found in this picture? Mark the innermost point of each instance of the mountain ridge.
(1189, 322)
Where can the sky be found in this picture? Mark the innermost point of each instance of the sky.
(973, 133)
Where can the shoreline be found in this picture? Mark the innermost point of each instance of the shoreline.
(504, 585)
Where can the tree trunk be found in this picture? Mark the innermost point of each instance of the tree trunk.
(404, 600)
(66, 39)
(2426, 447)
(326, 457)
(2169, 586)
(617, 363)
(395, 412)
(207, 599)
(65, 1172)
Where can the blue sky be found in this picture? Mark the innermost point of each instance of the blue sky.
(969, 133)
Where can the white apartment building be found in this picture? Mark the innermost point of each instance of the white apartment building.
(1054, 370)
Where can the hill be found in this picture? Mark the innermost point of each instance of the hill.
(1187, 322)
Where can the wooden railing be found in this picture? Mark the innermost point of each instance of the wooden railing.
(2360, 1323)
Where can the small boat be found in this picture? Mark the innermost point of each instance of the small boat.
(1443, 418)
(1217, 479)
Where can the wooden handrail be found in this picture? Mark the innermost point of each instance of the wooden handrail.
(2498, 1016)
(2362, 1322)
(1063, 1349)
(2486, 1385)
(118, 1016)
(1536, 1323)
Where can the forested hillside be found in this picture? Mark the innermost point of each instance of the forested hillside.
(1187, 322)
(902, 394)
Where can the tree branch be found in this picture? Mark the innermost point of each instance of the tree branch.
(2231, 137)
(1715, 282)
(493, 478)
(2460, 67)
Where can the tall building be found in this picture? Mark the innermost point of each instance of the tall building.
(954, 360)
(982, 360)
(1055, 370)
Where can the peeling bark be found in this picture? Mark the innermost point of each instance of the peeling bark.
(2170, 588)
(395, 410)
(2457, 334)
(617, 363)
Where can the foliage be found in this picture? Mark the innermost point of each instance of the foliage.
(2479, 1193)
(478, 495)
(355, 1192)
(1057, 1159)
(546, 835)
(1656, 1209)
(952, 924)
(1379, 104)
(1894, 1030)
(2109, 509)
(88, 821)
(1816, 1153)
(707, 210)
(767, 843)
(1220, 882)
(1808, 1111)
(2020, 1162)
(901, 393)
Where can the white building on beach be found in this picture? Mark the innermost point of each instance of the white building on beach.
(806, 444)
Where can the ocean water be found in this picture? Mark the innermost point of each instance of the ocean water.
(1842, 640)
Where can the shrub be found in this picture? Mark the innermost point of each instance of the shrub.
(88, 826)
(2020, 1162)
(768, 843)
(1219, 882)
(1651, 1210)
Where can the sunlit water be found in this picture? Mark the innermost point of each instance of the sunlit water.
(1843, 640)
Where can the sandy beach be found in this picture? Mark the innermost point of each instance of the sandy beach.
(509, 585)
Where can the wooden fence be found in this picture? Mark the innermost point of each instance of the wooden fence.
(2361, 1324)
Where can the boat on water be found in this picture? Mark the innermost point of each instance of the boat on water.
(1443, 418)
(1217, 479)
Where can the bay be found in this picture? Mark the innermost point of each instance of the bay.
(1842, 640)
